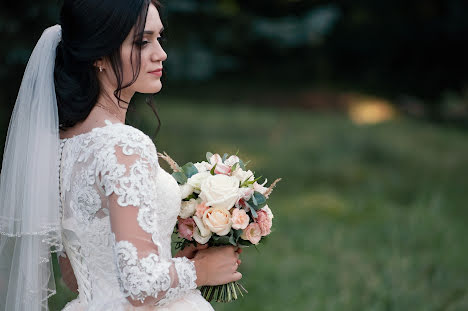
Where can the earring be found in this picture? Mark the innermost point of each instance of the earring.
(100, 69)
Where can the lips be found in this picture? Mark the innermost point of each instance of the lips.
(157, 72)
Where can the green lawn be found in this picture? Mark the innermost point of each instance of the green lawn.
(366, 217)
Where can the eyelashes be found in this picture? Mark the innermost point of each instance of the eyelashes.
(142, 43)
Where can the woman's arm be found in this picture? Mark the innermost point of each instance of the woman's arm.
(68, 275)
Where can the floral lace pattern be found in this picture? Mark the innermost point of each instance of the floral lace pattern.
(121, 161)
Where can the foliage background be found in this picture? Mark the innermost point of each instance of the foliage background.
(361, 107)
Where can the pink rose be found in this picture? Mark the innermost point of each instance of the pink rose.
(186, 227)
(252, 233)
(200, 210)
(221, 168)
(240, 219)
(232, 160)
(264, 222)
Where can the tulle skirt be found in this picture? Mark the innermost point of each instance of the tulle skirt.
(193, 301)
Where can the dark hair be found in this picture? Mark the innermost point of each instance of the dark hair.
(92, 30)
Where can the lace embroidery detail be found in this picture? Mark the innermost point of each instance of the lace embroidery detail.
(187, 280)
(140, 278)
(85, 200)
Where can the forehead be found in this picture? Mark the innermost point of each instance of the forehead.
(153, 20)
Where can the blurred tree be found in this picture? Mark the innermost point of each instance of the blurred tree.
(393, 47)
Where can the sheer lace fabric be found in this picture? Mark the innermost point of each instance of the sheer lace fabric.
(119, 210)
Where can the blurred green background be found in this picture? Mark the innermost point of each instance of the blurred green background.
(360, 106)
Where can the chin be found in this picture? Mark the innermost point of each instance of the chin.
(151, 89)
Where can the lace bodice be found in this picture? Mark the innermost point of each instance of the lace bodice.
(119, 208)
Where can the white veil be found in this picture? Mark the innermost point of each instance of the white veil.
(29, 186)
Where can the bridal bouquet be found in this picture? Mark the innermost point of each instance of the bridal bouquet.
(222, 204)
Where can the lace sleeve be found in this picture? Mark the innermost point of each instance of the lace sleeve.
(146, 277)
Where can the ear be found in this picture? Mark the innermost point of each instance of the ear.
(99, 63)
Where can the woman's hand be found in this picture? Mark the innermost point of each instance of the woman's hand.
(67, 273)
(191, 250)
(217, 265)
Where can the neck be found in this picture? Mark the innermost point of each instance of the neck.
(113, 107)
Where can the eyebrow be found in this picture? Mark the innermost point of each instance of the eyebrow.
(151, 32)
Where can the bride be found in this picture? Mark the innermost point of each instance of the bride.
(76, 180)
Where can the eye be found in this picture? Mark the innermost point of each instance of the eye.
(142, 43)
(161, 39)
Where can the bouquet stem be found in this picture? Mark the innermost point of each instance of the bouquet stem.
(223, 293)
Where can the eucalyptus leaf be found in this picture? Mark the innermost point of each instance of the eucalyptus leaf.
(225, 157)
(241, 164)
(208, 156)
(232, 240)
(259, 198)
(254, 213)
(189, 169)
(254, 200)
(180, 177)
(236, 234)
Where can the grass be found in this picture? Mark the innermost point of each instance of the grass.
(366, 217)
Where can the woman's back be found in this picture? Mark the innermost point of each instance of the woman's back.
(119, 210)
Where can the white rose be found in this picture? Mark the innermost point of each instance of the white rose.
(196, 180)
(188, 208)
(201, 234)
(243, 175)
(185, 190)
(268, 211)
(203, 166)
(218, 220)
(220, 191)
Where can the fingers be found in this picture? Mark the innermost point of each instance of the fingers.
(201, 246)
(237, 276)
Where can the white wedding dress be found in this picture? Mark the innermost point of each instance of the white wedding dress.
(119, 208)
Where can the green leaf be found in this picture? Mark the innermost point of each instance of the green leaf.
(232, 240)
(236, 234)
(220, 240)
(225, 157)
(254, 200)
(234, 167)
(254, 212)
(244, 242)
(212, 172)
(259, 198)
(189, 169)
(180, 177)
(208, 156)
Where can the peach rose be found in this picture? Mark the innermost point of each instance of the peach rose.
(264, 222)
(252, 233)
(218, 220)
(240, 219)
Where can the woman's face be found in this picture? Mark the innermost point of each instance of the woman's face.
(152, 57)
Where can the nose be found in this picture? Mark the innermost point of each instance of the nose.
(159, 55)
